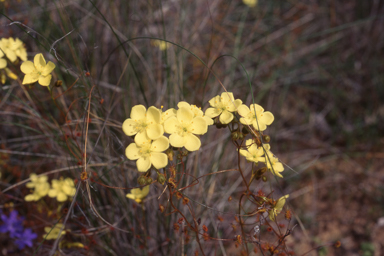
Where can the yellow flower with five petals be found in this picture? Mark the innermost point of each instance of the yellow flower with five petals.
(144, 123)
(255, 116)
(148, 152)
(183, 128)
(223, 105)
(38, 70)
(253, 153)
(62, 189)
(273, 164)
(138, 194)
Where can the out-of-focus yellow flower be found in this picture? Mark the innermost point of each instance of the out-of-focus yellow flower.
(144, 123)
(196, 111)
(223, 105)
(252, 153)
(65, 244)
(272, 213)
(138, 194)
(148, 152)
(62, 189)
(40, 185)
(273, 164)
(54, 233)
(255, 116)
(183, 128)
(39, 70)
(13, 48)
(250, 3)
(6, 72)
(162, 45)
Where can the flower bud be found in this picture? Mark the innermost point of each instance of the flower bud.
(169, 152)
(142, 180)
(161, 179)
(149, 181)
(241, 136)
(264, 178)
(266, 138)
(58, 83)
(235, 135)
(245, 130)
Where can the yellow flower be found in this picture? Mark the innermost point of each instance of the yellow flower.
(253, 153)
(223, 105)
(138, 194)
(273, 164)
(62, 189)
(37, 71)
(183, 128)
(144, 123)
(250, 3)
(162, 45)
(13, 48)
(40, 185)
(196, 111)
(272, 213)
(54, 233)
(249, 117)
(148, 152)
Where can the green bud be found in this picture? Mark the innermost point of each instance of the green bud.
(161, 178)
(142, 180)
(266, 138)
(264, 178)
(235, 135)
(245, 130)
(149, 181)
(241, 136)
(184, 152)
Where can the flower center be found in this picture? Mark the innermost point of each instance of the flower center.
(145, 151)
(183, 129)
(141, 125)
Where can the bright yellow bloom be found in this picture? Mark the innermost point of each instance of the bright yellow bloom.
(39, 70)
(62, 189)
(148, 152)
(223, 105)
(138, 194)
(252, 153)
(196, 111)
(144, 123)
(53, 233)
(40, 185)
(183, 128)
(272, 213)
(13, 48)
(250, 3)
(273, 164)
(162, 45)
(249, 117)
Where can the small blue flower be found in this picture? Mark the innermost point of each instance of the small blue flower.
(25, 238)
(12, 224)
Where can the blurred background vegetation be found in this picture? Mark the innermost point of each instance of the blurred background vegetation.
(318, 66)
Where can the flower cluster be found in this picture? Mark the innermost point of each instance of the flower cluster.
(13, 225)
(62, 189)
(148, 127)
(10, 49)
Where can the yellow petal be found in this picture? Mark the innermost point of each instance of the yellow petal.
(214, 101)
(129, 127)
(208, 120)
(170, 125)
(138, 112)
(10, 74)
(183, 104)
(39, 62)
(153, 115)
(61, 197)
(184, 115)
(159, 160)
(257, 108)
(258, 125)
(3, 63)
(130, 196)
(52, 193)
(243, 110)
(132, 152)
(142, 139)
(199, 126)
(232, 106)
(10, 55)
(45, 80)
(154, 131)
(160, 145)
(227, 97)
(267, 118)
(212, 112)
(27, 67)
(193, 143)
(177, 141)
(143, 164)
(226, 117)
(48, 68)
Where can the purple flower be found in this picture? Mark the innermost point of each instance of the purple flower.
(25, 238)
(12, 224)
